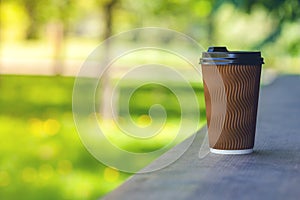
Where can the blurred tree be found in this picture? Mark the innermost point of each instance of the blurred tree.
(55, 14)
(193, 17)
(40, 12)
(33, 9)
(197, 17)
(107, 7)
(281, 12)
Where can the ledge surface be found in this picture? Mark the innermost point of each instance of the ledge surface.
(272, 171)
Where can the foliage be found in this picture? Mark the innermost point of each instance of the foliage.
(198, 19)
(281, 12)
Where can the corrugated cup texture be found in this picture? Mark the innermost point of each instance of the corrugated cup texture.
(241, 84)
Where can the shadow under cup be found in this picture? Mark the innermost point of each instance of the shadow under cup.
(231, 88)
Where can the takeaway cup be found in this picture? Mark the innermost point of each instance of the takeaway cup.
(231, 88)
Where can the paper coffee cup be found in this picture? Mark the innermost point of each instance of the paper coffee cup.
(231, 88)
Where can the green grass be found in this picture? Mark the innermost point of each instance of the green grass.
(42, 156)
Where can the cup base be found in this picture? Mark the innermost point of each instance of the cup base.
(231, 152)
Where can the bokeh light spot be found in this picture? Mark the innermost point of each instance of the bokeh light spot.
(46, 152)
(39, 128)
(29, 174)
(64, 167)
(36, 127)
(111, 174)
(144, 120)
(51, 127)
(45, 171)
(4, 178)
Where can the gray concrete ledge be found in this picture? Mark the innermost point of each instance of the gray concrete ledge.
(271, 172)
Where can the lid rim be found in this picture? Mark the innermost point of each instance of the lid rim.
(221, 56)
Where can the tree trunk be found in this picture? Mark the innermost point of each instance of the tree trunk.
(106, 109)
(56, 40)
(33, 27)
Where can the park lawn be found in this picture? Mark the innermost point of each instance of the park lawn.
(42, 156)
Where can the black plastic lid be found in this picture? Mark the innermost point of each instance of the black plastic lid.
(221, 56)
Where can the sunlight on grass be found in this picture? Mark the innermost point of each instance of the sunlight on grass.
(42, 156)
(117, 135)
(111, 174)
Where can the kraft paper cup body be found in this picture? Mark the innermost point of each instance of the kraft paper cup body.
(231, 104)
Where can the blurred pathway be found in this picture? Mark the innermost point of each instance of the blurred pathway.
(38, 67)
(72, 67)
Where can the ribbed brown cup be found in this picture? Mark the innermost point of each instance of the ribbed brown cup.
(241, 85)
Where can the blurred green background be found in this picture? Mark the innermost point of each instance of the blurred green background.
(43, 43)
